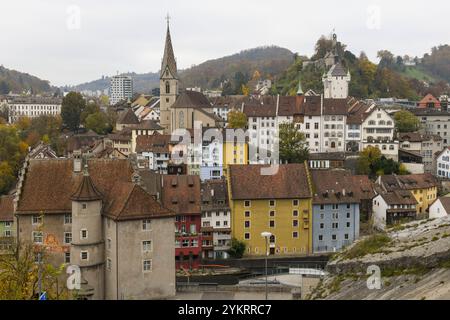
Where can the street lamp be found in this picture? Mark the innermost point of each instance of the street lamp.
(266, 235)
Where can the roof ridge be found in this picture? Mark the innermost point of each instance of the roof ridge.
(126, 202)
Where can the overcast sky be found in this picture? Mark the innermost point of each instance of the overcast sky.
(70, 42)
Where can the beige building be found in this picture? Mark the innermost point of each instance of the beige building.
(190, 107)
(101, 219)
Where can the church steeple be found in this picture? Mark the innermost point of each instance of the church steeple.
(168, 63)
(168, 84)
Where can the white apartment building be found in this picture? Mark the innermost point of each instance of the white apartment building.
(323, 122)
(378, 130)
(427, 145)
(436, 122)
(443, 164)
(212, 160)
(120, 88)
(32, 107)
(216, 220)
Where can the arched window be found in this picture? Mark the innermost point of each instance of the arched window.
(333, 145)
(167, 87)
(181, 119)
(272, 239)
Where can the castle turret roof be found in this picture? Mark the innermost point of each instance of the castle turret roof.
(86, 190)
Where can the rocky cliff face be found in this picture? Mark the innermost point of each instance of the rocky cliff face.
(413, 260)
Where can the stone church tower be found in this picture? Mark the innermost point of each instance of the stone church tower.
(168, 83)
(87, 238)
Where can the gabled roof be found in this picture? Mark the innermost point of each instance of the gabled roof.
(50, 184)
(289, 182)
(399, 197)
(408, 182)
(445, 201)
(192, 99)
(312, 106)
(334, 186)
(429, 98)
(181, 194)
(158, 143)
(147, 125)
(417, 137)
(7, 208)
(213, 191)
(264, 107)
(130, 201)
(169, 61)
(128, 117)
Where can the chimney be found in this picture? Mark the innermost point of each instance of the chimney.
(77, 161)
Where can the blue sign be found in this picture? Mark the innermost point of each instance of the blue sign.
(43, 296)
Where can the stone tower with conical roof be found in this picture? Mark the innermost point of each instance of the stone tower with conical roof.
(168, 83)
(87, 250)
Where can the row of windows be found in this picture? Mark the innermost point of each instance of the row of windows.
(380, 123)
(334, 225)
(272, 203)
(295, 235)
(334, 237)
(295, 224)
(193, 243)
(218, 224)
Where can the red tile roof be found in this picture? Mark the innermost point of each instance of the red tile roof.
(49, 185)
(158, 143)
(181, 194)
(290, 182)
(6, 208)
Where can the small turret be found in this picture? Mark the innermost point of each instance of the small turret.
(87, 250)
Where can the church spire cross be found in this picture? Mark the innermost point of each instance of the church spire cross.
(168, 19)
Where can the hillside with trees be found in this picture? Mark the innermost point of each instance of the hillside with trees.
(232, 70)
(268, 61)
(391, 77)
(142, 83)
(19, 82)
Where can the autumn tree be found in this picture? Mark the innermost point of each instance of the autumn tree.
(72, 106)
(19, 275)
(292, 144)
(237, 119)
(405, 121)
(98, 122)
(91, 108)
(367, 159)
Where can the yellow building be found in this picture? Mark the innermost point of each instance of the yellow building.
(280, 204)
(424, 187)
(234, 152)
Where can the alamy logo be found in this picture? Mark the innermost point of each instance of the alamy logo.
(374, 280)
(73, 21)
(74, 279)
(373, 17)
